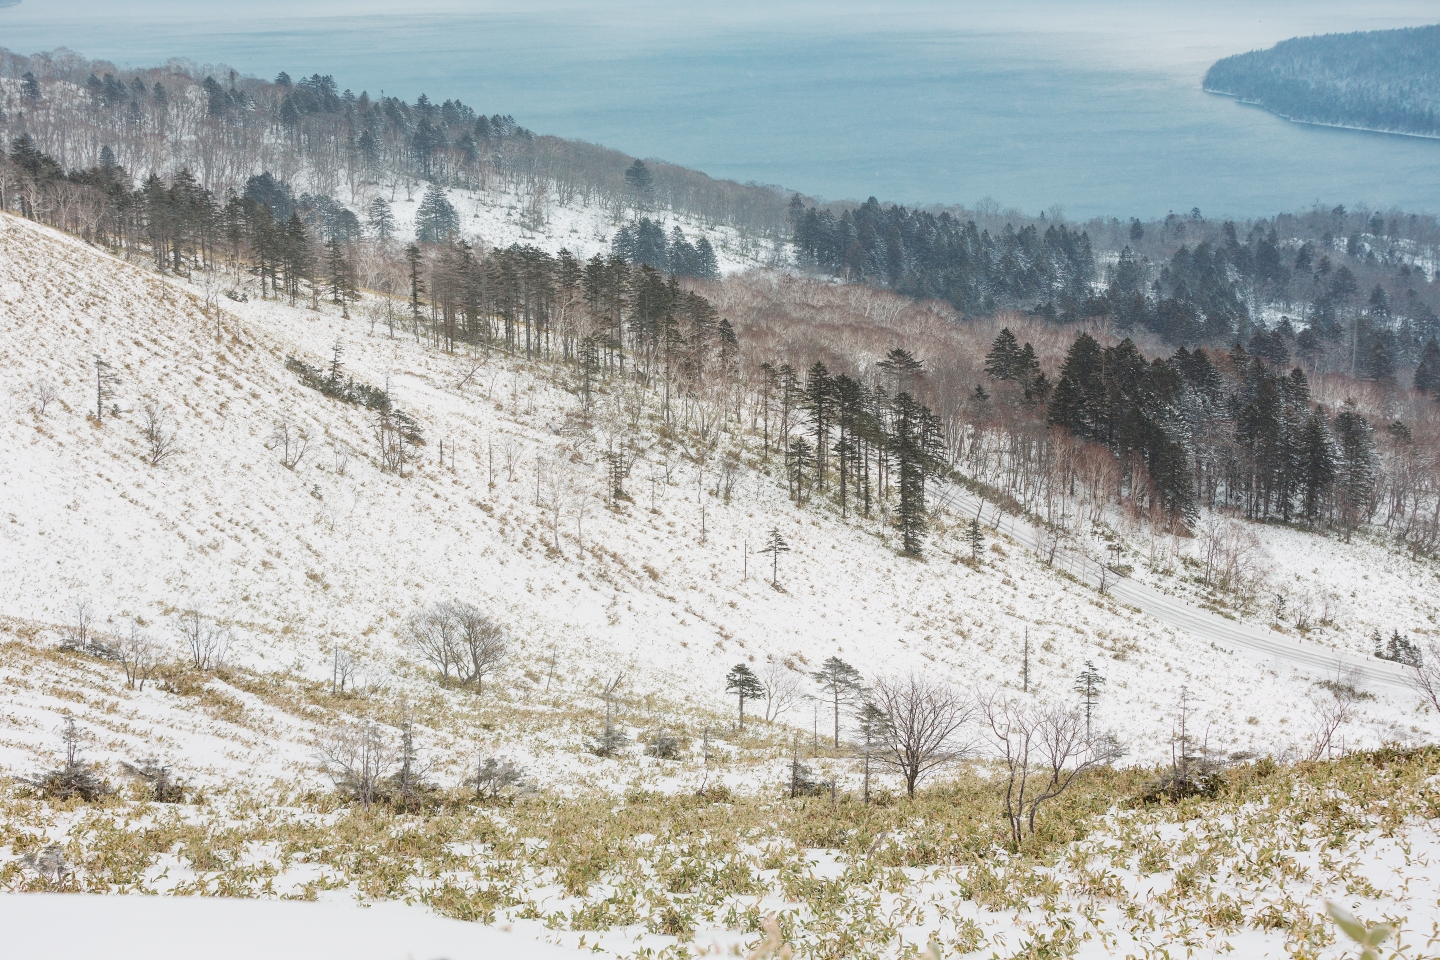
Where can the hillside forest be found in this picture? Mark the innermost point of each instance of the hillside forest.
(1384, 80)
(1282, 369)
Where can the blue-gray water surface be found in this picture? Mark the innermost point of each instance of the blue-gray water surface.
(1092, 106)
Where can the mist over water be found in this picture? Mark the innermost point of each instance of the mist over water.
(1093, 106)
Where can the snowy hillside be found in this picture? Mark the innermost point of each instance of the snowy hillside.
(501, 215)
(335, 553)
(666, 589)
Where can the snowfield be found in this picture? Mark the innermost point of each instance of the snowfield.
(667, 589)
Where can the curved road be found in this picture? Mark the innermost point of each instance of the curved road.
(1260, 643)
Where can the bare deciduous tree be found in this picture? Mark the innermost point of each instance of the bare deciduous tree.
(919, 725)
(357, 757)
(140, 655)
(481, 641)
(1334, 707)
(290, 439)
(1043, 749)
(206, 641)
(158, 429)
(45, 394)
(433, 633)
(343, 667)
(77, 631)
(1425, 674)
(782, 688)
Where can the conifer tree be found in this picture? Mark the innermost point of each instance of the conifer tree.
(417, 282)
(840, 684)
(976, 538)
(382, 221)
(742, 682)
(436, 220)
(915, 444)
(1088, 686)
(1356, 467)
(1003, 360)
(819, 403)
(1427, 371)
(775, 545)
(1316, 463)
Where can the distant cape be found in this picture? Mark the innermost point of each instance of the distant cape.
(9, 3)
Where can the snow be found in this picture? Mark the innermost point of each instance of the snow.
(502, 214)
(335, 553)
(143, 928)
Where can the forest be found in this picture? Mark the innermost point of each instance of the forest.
(1191, 364)
(1387, 80)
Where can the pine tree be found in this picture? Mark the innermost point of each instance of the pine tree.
(1088, 686)
(840, 683)
(742, 682)
(775, 545)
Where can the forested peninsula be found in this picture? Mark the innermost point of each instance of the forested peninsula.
(1383, 80)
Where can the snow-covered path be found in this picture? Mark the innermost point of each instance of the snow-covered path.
(1259, 643)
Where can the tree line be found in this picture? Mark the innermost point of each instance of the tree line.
(1379, 80)
(225, 127)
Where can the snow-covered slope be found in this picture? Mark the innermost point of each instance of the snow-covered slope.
(501, 215)
(335, 553)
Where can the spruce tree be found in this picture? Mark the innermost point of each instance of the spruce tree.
(436, 220)
(1003, 360)
(1427, 371)
(1317, 463)
(742, 682)
(819, 403)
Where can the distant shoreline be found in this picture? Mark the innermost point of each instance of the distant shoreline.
(1319, 123)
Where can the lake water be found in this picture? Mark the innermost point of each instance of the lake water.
(1093, 106)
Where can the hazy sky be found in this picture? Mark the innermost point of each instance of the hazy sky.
(1157, 32)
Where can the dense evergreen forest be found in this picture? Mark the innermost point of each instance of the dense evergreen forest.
(1382, 80)
(1351, 291)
